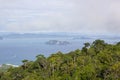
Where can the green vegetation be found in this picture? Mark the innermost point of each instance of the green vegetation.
(4, 67)
(96, 61)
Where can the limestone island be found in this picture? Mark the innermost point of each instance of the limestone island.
(56, 42)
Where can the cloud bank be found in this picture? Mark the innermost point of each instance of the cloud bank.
(84, 16)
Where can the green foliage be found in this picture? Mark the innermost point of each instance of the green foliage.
(4, 67)
(96, 61)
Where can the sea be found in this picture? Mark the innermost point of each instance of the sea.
(14, 50)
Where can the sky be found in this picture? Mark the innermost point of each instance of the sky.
(84, 16)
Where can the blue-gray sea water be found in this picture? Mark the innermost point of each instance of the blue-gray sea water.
(12, 51)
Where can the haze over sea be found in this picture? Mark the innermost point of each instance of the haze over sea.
(72, 16)
(15, 48)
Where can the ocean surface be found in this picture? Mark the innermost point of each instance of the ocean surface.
(13, 51)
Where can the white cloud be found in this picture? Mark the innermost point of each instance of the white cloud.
(98, 16)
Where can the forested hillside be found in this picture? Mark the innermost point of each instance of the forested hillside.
(95, 61)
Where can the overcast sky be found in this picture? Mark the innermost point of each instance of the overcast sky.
(84, 16)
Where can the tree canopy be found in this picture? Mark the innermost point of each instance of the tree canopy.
(95, 61)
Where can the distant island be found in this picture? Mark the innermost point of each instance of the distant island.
(82, 37)
(57, 42)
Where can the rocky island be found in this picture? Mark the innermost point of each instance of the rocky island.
(56, 42)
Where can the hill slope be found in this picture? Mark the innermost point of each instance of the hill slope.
(96, 61)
